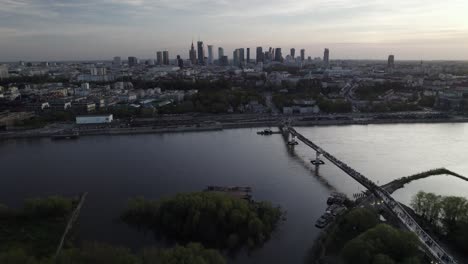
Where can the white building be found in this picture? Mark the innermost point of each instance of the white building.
(98, 71)
(210, 54)
(94, 119)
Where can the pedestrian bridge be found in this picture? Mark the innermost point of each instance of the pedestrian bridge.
(431, 246)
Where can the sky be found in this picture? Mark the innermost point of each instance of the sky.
(48, 30)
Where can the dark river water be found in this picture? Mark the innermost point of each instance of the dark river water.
(115, 168)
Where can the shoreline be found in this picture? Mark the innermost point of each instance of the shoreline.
(219, 126)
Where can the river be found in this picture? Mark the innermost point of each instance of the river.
(115, 168)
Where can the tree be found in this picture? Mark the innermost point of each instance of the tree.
(212, 218)
(5, 211)
(427, 101)
(382, 259)
(454, 209)
(381, 240)
(433, 203)
(449, 213)
(357, 251)
(461, 236)
(356, 222)
(16, 256)
(193, 253)
(53, 206)
(418, 203)
(428, 205)
(97, 253)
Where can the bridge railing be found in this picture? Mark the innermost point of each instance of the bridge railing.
(436, 250)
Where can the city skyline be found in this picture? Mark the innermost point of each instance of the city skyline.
(60, 30)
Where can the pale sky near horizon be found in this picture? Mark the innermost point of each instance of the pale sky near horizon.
(351, 29)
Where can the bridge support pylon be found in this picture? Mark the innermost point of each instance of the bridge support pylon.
(293, 142)
(285, 131)
(317, 162)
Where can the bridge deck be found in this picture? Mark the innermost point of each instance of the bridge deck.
(431, 246)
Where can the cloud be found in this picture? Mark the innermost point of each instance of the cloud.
(149, 24)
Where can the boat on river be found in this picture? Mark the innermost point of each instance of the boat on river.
(265, 132)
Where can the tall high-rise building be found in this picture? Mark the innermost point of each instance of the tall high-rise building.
(159, 58)
(302, 54)
(193, 55)
(293, 53)
(224, 61)
(201, 53)
(235, 57)
(278, 55)
(248, 55)
(259, 54)
(166, 57)
(326, 58)
(220, 54)
(391, 62)
(269, 54)
(210, 54)
(241, 56)
(180, 62)
(132, 61)
(117, 61)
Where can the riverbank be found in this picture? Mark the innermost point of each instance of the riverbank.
(194, 126)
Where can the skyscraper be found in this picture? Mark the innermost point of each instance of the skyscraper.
(259, 54)
(180, 62)
(248, 55)
(302, 54)
(278, 55)
(224, 61)
(235, 57)
(326, 58)
(220, 54)
(132, 61)
(193, 55)
(391, 62)
(241, 56)
(201, 53)
(166, 57)
(159, 60)
(270, 54)
(117, 61)
(293, 53)
(210, 54)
